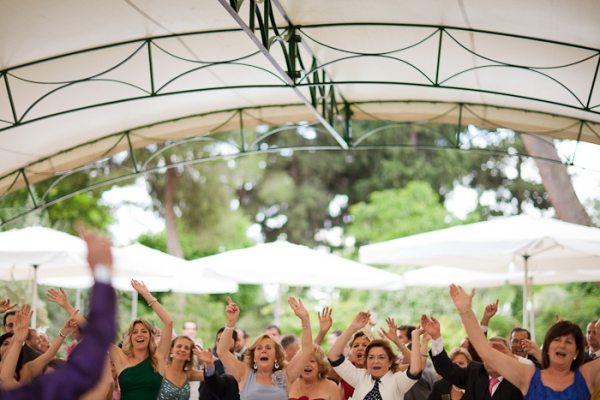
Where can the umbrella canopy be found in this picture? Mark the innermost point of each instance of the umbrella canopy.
(182, 277)
(294, 265)
(507, 245)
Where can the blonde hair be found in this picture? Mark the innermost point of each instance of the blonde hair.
(319, 355)
(279, 353)
(460, 350)
(128, 345)
(190, 361)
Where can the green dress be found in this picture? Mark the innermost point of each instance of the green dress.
(140, 382)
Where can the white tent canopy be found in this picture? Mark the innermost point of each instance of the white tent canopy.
(295, 265)
(81, 81)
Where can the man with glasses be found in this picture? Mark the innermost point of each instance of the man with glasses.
(517, 335)
(29, 354)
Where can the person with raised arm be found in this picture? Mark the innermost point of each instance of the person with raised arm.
(13, 372)
(382, 378)
(179, 373)
(264, 374)
(84, 367)
(313, 383)
(140, 364)
(562, 375)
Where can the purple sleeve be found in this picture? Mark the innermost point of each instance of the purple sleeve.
(86, 363)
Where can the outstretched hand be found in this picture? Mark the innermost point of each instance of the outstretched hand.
(491, 310)
(392, 333)
(461, 299)
(5, 305)
(98, 248)
(298, 308)
(140, 287)
(58, 298)
(431, 326)
(361, 320)
(325, 320)
(232, 312)
(22, 318)
(206, 356)
(70, 324)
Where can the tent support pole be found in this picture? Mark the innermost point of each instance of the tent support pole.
(78, 299)
(134, 301)
(531, 310)
(277, 310)
(525, 294)
(34, 298)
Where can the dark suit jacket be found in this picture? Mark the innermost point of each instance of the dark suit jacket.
(474, 379)
(439, 388)
(223, 387)
(205, 392)
(421, 389)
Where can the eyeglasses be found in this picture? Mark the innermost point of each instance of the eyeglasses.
(10, 325)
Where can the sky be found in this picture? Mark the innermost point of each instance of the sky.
(134, 213)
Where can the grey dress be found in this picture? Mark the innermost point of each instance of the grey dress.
(255, 391)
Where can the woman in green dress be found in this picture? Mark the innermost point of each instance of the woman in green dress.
(140, 363)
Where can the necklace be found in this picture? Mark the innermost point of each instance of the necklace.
(303, 388)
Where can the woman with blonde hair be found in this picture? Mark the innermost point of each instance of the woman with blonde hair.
(313, 383)
(178, 372)
(461, 357)
(140, 364)
(265, 375)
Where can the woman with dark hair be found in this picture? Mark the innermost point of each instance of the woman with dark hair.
(562, 376)
(264, 374)
(381, 366)
(313, 383)
(179, 373)
(14, 372)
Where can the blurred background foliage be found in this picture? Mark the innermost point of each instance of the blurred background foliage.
(336, 201)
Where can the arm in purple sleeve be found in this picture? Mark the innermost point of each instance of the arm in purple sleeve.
(85, 364)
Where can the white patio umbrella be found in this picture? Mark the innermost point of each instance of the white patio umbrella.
(290, 264)
(514, 244)
(182, 278)
(42, 254)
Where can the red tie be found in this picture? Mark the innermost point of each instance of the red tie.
(493, 383)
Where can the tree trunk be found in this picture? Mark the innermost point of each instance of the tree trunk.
(556, 181)
(173, 245)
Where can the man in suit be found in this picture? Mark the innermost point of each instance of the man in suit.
(481, 382)
(219, 369)
(517, 335)
(591, 338)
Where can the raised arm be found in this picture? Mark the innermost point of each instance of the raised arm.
(517, 373)
(489, 312)
(167, 330)
(424, 347)
(5, 306)
(61, 299)
(235, 367)
(35, 367)
(360, 321)
(9, 363)
(416, 366)
(392, 335)
(325, 322)
(295, 367)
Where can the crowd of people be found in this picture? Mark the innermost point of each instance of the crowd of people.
(407, 362)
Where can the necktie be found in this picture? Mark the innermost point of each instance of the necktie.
(493, 383)
(374, 393)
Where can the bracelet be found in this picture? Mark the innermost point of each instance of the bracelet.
(306, 326)
(154, 300)
(229, 328)
(424, 355)
(62, 334)
(464, 312)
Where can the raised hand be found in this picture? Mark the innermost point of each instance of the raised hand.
(325, 320)
(206, 356)
(361, 320)
(529, 346)
(70, 324)
(58, 298)
(98, 248)
(5, 305)
(431, 326)
(491, 310)
(22, 318)
(298, 308)
(392, 333)
(417, 332)
(461, 299)
(232, 312)
(558, 319)
(140, 287)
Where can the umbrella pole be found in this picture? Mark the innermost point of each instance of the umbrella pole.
(531, 310)
(525, 294)
(34, 298)
(277, 310)
(78, 299)
(134, 301)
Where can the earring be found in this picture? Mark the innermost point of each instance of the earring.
(276, 364)
(171, 355)
(255, 366)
